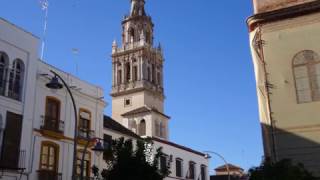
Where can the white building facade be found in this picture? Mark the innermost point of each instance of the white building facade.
(37, 123)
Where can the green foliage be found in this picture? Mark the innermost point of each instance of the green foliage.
(127, 162)
(282, 170)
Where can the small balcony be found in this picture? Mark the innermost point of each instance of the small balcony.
(84, 133)
(51, 124)
(49, 175)
(12, 158)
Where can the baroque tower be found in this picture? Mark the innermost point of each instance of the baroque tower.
(284, 36)
(137, 76)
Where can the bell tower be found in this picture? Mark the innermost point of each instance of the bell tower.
(137, 76)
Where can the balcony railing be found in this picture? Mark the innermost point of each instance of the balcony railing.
(85, 133)
(51, 124)
(88, 178)
(49, 175)
(12, 158)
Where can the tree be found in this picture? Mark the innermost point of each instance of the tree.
(282, 170)
(127, 162)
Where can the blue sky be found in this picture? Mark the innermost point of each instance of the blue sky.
(209, 79)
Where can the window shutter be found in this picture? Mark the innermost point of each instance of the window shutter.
(302, 84)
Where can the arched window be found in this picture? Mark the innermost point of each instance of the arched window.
(131, 35)
(119, 77)
(149, 74)
(86, 163)
(153, 73)
(49, 158)
(128, 71)
(142, 128)
(52, 120)
(84, 123)
(16, 79)
(4, 60)
(306, 68)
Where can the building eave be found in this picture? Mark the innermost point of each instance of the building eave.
(281, 14)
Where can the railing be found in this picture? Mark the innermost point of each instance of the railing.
(12, 158)
(49, 175)
(51, 124)
(85, 133)
(88, 178)
(134, 45)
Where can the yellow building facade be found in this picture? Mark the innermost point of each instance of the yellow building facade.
(285, 46)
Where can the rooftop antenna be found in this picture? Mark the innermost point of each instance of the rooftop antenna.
(44, 7)
(75, 51)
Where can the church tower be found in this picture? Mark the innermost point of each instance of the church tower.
(285, 36)
(137, 76)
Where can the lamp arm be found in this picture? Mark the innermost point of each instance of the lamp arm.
(224, 160)
(75, 142)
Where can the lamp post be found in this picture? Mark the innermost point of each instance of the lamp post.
(98, 149)
(55, 84)
(220, 156)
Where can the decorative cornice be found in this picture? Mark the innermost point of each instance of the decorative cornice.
(281, 14)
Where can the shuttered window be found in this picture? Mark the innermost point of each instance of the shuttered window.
(306, 69)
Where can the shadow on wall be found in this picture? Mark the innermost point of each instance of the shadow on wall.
(297, 145)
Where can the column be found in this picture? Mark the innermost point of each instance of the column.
(116, 74)
(139, 68)
(113, 74)
(131, 69)
(123, 72)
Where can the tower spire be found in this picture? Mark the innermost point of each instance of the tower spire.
(137, 8)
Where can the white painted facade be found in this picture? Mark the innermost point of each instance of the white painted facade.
(18, 44)
(31, 106)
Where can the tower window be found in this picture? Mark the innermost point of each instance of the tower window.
(306, 68)
(142, 128)
(131, 35)
(149, 74)
(119, 77)
(128, 72)
(127, 102)
(135, 73)
(159, 78)
(153, 73)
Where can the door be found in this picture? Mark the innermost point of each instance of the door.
(11, 141)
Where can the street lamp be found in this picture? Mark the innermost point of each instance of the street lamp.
(224, 160)
(98, 148)
(55, 84)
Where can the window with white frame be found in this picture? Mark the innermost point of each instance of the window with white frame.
(306, 69)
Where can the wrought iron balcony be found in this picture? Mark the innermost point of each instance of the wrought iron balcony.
(49, 175)
(12, 158)
(84, 133)
(52, 124)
